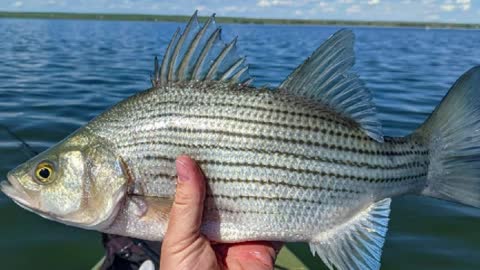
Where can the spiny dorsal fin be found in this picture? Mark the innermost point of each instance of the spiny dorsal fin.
(326, 77)
(358, 243)
(200, 54)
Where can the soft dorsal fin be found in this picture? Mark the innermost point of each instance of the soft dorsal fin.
(358, 243)
(200, 54)
(326, 77)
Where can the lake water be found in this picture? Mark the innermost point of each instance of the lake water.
(55, 75)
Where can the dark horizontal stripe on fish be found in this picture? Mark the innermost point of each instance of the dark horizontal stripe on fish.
(259, 122)
(232, 211)
(213, 103)
(266, 182)
(282, 183)
(289, 154)
(297, 170)
(397, 141)
(272, 124)
(299, 141)
(264, 198)
(291, 113)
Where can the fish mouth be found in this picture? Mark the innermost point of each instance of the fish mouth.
(14, 190)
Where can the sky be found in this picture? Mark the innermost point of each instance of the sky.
(461, 11)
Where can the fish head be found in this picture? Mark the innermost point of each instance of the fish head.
(79, 182)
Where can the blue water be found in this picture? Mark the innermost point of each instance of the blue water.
(55, 75)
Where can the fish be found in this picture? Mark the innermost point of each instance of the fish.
(304, 162)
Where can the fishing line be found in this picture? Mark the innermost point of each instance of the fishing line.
(26, 148)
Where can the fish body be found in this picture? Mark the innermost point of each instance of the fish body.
(305, 162)
(296, 168)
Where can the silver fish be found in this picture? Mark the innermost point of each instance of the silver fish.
(305, 162)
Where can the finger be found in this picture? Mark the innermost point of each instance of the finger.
(187, 209)
(275, 246)
(248, 255)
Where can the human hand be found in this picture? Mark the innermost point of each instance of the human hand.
(184, 247)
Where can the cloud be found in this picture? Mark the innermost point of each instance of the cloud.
(464, 4)
(201, 8)
(325, 7)
(273, 3)
(428, 2)
(17, 4)
(448, 7)
(235, 9)
(373, 2)
(204, 9)
(323, 4)
(433, 17)
(353, 9)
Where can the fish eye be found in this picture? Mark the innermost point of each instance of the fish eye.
(44, 172)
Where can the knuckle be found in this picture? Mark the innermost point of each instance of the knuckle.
(184, 198)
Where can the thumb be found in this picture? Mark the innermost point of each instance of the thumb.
(187, 209)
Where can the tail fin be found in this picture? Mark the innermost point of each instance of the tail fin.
(453, 135)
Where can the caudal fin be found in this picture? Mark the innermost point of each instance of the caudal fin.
(453, 135)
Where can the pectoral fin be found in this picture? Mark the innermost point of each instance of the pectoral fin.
(142, 218)
(358, 243)
(150, 207)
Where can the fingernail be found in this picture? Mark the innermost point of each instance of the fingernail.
(181, 167)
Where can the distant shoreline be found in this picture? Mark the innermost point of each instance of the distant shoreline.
(181, 18)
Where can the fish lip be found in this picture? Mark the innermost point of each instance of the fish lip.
(14, 190)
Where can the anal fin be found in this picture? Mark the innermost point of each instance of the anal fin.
(358, 243)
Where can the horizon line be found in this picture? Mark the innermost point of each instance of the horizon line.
(226, 19)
